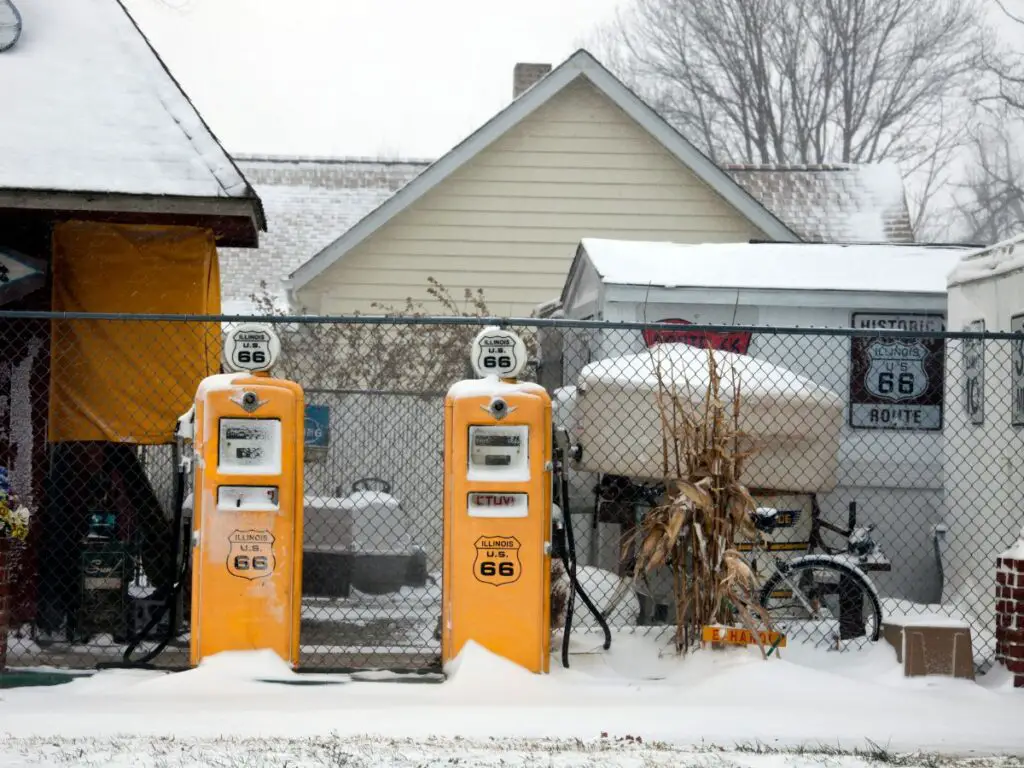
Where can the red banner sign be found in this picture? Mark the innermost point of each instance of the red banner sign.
(737, 341)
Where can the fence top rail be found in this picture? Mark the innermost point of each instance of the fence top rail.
(509, 322)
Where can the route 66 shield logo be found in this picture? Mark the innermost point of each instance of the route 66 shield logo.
(497, 560)
(251, 554)
(896, 370)
(498, 352)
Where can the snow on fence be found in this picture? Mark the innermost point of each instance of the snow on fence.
(944, 501)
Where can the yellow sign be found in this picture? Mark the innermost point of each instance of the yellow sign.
(497, 560)
(251, 554)
(739, 636)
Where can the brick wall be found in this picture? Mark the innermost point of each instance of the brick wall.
(1010, 613)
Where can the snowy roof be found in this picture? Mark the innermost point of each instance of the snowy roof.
(88, 106)
(858, 267)
(833, 203)
(309, 202)
(991, 261)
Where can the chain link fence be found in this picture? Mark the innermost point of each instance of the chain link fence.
(915, 436)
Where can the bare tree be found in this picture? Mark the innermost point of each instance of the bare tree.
(990, 199)
(810, 81)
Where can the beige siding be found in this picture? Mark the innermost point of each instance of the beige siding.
(509, 221)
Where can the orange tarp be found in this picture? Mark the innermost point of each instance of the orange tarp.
(129, 380)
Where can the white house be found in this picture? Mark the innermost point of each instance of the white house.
(984, 473)
(891, 443)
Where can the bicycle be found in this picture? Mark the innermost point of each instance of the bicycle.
(832, 598)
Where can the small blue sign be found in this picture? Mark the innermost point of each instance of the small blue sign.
(318, 426)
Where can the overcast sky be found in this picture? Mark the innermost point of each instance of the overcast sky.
(402, 78)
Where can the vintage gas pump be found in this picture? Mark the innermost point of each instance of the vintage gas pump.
(496, 579)
(247, 519)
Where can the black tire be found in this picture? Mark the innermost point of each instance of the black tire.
(826, 563)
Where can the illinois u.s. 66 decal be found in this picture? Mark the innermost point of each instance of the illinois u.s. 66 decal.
(497, 560)
(896, 381)
(251, 347)
(498, 352)
(251, 554)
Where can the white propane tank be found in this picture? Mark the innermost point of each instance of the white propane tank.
(379, 523)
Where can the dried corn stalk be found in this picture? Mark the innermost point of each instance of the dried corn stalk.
(706, 507)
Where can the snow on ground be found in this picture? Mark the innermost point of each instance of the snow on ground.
(805, 699)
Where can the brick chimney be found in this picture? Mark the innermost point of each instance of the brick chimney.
(525, 75)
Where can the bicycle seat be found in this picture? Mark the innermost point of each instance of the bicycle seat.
(764, 519)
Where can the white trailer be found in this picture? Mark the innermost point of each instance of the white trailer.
(984, 471)
(890, 443)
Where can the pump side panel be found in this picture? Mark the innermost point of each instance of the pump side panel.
(247, 563)
(498, 569)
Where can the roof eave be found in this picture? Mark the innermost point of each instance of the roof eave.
(234, 221)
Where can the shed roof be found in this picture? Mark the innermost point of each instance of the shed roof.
(833, 203)
(89, 107)
(989, 262)
(308, 200)
(858, 267)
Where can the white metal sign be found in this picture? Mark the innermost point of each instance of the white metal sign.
(498, 352)
(974, 373)
(897, 382)
(1017, 372)
(251, 347)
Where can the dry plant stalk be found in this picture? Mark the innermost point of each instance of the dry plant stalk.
(706, 507)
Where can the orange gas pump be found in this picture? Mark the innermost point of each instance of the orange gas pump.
(248, 442)
(496, 579)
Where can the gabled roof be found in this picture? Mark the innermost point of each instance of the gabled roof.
(308, 201)
(580, 64)
(833, 203)
(88, 107)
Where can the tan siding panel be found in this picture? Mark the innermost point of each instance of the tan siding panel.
(391, 293)
(604, 161)
(580, 145)
(581, 175)
(430, 249)
(468, 265)
(681, 221)
(569, 191)
(568, 234)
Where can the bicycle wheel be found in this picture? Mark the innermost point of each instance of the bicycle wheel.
(822, 601)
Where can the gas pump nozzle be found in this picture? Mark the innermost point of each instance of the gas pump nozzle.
(185, 433)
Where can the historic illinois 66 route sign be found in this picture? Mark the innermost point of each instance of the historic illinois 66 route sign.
(498, 352)
(896, 382)
(251, 347)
